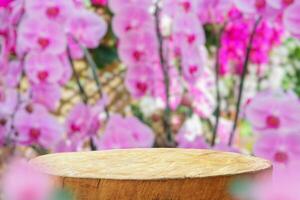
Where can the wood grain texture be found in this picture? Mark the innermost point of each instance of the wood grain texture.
(158, 174)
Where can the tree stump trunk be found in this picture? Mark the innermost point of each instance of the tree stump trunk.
(150, 174)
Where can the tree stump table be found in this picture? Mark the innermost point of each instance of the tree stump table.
(150, 174)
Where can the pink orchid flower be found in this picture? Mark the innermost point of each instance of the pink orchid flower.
(291, 19)
(47, 95)
(274, 112)
(99, 2)
(282, 150)
(8, 100)
(43, 68)
(139, 81)
(132, 19)
(117, 5)
(35, 125)
(87, 28)
(139, 48)
(56, 10)
(126, 132)
(41, 36)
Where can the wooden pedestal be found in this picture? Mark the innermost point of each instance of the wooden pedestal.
(150, 174)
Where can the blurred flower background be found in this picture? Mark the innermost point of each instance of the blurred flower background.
(80, 75)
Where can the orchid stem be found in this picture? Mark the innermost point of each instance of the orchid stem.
(94, 68)
(218, 94)
(241, 87)
(82, 92)
(165, 70)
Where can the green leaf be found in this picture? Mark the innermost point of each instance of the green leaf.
(62, 195)
(104, 55)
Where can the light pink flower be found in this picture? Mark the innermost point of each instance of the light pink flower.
(84, 121)
(139, 48)
(126, 132)
(187, 28)
(69, 145)
(87, 28)
(12, 75)
(42, 36)
(192, 64)
(251, 6)
(282, 150)
(8, 100)
(76, 52)
(139, 81)
(213, 11)
(4, 52)
(55, 10)
(43, 68)
(291, 19)
(22, 181)
(47, 95)
(35, 126)
(281, 4)
(67, 69)
(132, 19)
(190, 135)
(175, 7)
(274, 112)
(117, 5)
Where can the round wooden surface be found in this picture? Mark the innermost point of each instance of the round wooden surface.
(148, 164)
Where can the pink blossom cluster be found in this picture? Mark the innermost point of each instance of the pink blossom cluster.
(235, 41)
(37, 40)
(285, 11)
(274, 116)
(138, 47)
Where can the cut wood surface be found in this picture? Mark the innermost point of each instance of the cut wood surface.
(166, 174)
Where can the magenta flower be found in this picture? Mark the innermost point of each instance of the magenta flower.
(87, 28)
(21, 181)
(47, 95)
(35, 125)
(5, 3)
(55, 10)
(126, 132)
(282, 150)
(43, 68)
(175, 7)
(139, 48)
(139, 81)
(69, 145)
(99, 2)
(117, 5)
(41, 36)
(132, 19)
(274, 112)
(291, 19)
